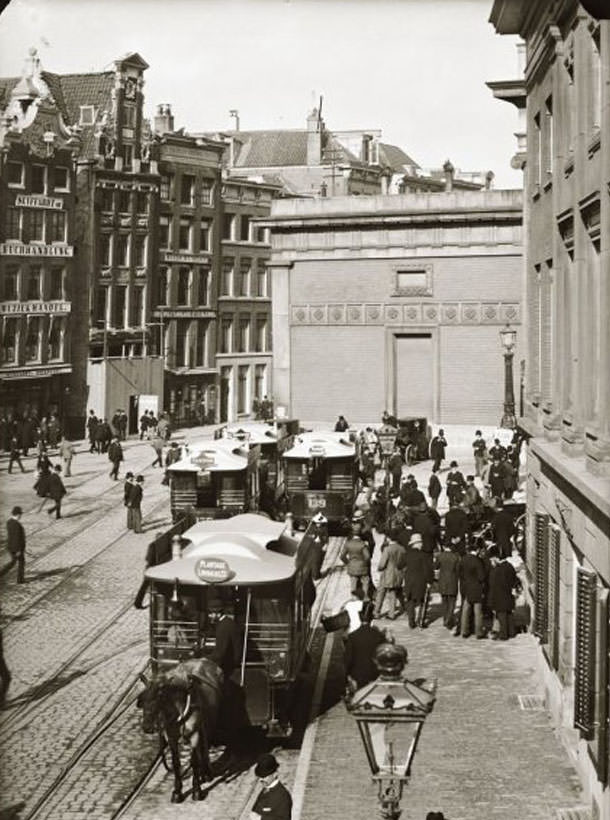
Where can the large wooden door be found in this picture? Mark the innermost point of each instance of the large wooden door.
(414, 375)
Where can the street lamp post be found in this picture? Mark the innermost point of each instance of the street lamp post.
(508, 337)
(387, 441)
(390, 713)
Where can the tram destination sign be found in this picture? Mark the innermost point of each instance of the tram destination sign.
(213, 570)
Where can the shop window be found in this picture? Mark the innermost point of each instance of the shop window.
(142, 202)
(259, 381)
(12, 224)
(207, 186)
(10, 283)
(105, 250)
(137, 307)
(14, 174)
(244, 334)
(61, 178)
(140, 251)
(184, 235)
(56, 226)
(184, 280)
(228, 222)
(32, 293)
(124, 201)
(261, 278)
(187, 189)
(164, 232)
(244, 228)
(107, 199)
(36, 226)
(226, 334)
(204, 236)
(261, 333)
(56, 283)
(55, 338)
(244, 277)
(39, 179)
(8, 351)
(202, 286)
(242, 388)
(119, 297)
(165, 188)
(227, 278)
(32, 340)
(123, 250)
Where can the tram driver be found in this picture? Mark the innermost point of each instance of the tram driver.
(227, 648)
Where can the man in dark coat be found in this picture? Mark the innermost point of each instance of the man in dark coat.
(480, 453)
(135, 504)
(16, 543)
(455, 484)
(56, 491)
(497, 451)
(418, 574)
(359, 650)
(127, 488)
(495, 478)
(437, 449)
(115, 456)
(395, 469)
(448, 563)
(391, 565)
(92, 423)
(411, 495)
(456, 527)
(472, 589)
(434, 488)
(341, 425)
(503, 530)
(356, 556)
(227, 649)
(503, 580)
(15, 455)
(274, 800)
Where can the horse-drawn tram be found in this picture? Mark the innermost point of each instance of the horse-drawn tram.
(252, 570)
(215, 479)
(320, 476)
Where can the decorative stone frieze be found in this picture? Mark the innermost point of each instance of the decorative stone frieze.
(449, 313)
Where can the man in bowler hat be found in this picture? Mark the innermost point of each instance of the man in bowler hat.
(16, 543)
(359, 650)
(274, 801)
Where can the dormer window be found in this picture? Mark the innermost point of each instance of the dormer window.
(87, 115)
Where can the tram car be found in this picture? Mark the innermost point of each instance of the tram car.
(215, 479)
(320, 474)
(255, 569)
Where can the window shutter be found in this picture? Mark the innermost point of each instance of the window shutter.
(554, 544)
(541, 614)
(603, 682)
(584, 678)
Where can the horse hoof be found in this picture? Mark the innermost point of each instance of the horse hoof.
(177, 797)
(198, 795)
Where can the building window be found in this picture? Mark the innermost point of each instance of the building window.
(10, 283)
(261, 279)
(227, 278)
(142, 202)
(202, 334)
(244, 234)
(166, 187)
(259, 381)
(39, 173)
(137, 307)
(55, 338)
(184, 279)
(244, 277)
(202, 286)
(187, 189)
(242, 388)
(124, 201)
(128, 155)
(13, 223)
(56, 226)
(61, 178)
(228, 221)
(182, 327)
(87, 115)
(100, 307)
(204, 236)
(119, 298)
(184, 235)
(56, 283)
(226, 334)
(105, 250)
(163, 286)
(36, 226)
(244, 334)
(32, 293)
(8, 351)
(548, 143)
(537, 154)
(123, 250)
(14, 174)
(164, 232)
(129, 116)
(262, 235)
(107, 199)
(32, 340)
(261, 333)
(206, 191)
(140, 251)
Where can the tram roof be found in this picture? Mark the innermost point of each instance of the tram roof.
(231, 552)
(215, 456)
(321, 444)
(256, 432)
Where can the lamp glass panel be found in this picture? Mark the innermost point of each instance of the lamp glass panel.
(392, 745)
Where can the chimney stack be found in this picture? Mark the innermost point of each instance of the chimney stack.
(315, 126)
(449, 174)
(164, 119)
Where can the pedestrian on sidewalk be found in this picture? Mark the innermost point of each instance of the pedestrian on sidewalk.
(15, 455)
(456, 484)
(359, 650)
(437, 449)
(157, 445)
(143, 424)
(480, 453)
(172, 456)
(56, 491)
(395, 470)
(434, 488)
(66, 451)
(16, 543)
(115, 456)
(391, 566)
(503, 528)
(503, 580)
(457, 527)
(472, 591)
(418, 574)
(274, 800)
(357, 558)
(127, 488)
(448, 565)
(135, 504)
(92, 423)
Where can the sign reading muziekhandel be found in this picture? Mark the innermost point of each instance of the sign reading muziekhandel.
(19, 249)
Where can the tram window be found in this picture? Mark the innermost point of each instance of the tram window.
(317, 474)
(269, 610)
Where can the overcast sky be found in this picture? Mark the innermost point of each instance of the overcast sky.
(416, 69)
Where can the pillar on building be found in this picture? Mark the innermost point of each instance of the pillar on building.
(280, 325)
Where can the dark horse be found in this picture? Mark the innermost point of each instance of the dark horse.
(184, 703)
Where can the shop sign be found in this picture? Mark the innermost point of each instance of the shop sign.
(188, 313)
(35, 373)
(213, 570)
(317, 451)
(19, 249)
(30, 201)
(176, 256)
(35, 307)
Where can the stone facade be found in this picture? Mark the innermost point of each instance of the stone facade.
(567, 398)
(395, 302)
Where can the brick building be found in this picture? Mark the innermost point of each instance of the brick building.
(37, 264)
(566, 85)
(395, 302)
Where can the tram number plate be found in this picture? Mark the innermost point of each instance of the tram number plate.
(315, 501)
